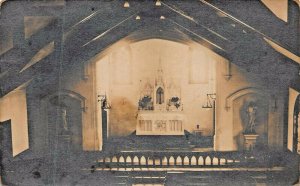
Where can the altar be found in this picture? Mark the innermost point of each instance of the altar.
(160, 110)
(160, 123)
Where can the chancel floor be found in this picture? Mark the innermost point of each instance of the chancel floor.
(187, 142)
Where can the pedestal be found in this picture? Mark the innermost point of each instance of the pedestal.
(64, 151)
(250, 141)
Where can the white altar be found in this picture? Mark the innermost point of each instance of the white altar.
(160, 111)
(160, 123)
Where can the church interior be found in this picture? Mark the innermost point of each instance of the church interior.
(157, 92)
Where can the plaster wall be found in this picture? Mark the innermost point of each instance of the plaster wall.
(239, 80)
(244, 83)
(13, 107)
(121, 72)
(81, 80)
(126, 70)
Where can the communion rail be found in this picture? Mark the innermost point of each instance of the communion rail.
(197, 160)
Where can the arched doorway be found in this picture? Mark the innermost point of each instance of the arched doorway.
(296, 120)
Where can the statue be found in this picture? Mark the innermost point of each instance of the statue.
(64, 118)
(62, 114)
(251, 112)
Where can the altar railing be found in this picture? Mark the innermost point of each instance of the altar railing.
(258, 160)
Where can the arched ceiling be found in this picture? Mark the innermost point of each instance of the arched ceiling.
(80, 30)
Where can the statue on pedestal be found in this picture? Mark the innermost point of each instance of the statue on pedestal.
(251, 113)
(62, 114)
(250, 135)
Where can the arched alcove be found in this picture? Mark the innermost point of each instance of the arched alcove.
(63, 115)
(296, 122)
(293, 120)
(237, 105)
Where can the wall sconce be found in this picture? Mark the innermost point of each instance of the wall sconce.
(210, 101)
(229, 74)
(126, 4)
(104, 103)
(227, 107)
(85, 72)
(274, 104)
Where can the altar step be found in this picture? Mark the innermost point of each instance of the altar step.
(157, 143)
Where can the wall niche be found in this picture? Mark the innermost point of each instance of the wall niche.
(257, 104)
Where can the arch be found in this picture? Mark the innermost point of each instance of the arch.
(222, 161)
(136, 160)
(186, 160)
(107, 159)
(114, 159)
(171, 160)
(193, 160)
(215, 161)
(239, 93)
(157, 161)
(201, 160)
(70, 93)
(291, 129)
(121, 159)
(164, 161)
(181, 41)
(296, 120)
(208, 161)
(60, 104)
(143, 160)
(128, 160)
(178, 160)
(160, 95)
(150, 161)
